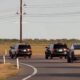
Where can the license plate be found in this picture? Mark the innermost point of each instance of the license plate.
(28, 53)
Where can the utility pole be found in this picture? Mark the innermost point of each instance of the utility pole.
(20, 21)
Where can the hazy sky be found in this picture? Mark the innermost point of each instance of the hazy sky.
(49, 19)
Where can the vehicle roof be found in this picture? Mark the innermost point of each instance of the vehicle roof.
(17, 44)
(57, 44)
(76, 43)
(21, 44)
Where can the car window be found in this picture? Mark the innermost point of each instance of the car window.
(24, 46)
(51, 46)
(76, 46)
(60, 46)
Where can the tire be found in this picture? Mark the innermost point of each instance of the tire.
(15, 55)
(73, 57)
(65, 57)
(11, 55)
(29, 56)
(69, 60)
(51, 57)
(46, 56)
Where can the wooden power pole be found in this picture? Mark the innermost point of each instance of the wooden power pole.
(20, 21)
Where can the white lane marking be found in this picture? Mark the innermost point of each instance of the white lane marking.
(34, 73)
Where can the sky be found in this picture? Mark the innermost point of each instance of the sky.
(44, 19)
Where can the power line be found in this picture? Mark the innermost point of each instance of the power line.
(52, 6)
(54, 14)
(42, 15)
(8, 17)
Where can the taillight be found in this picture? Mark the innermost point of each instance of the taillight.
(65, 49)
(29, 49)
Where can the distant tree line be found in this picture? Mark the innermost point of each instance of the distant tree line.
(42, 41)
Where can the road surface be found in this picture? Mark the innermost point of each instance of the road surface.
(55, 69)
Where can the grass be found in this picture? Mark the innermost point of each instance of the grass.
(37, 49)
(7, 70)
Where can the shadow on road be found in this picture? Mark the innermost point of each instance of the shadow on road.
(60, 75)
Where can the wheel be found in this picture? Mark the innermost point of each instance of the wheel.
(11, 55)
(69, 58)
(73, 57)
(15, 55)
(46, 56)
(29, 56)
(51, 57)
(65, 57)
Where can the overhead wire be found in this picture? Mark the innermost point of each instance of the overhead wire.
(50, 14)
(58, 14)
(52, 6)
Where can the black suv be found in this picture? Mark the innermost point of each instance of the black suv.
(20, 50)
(56, 50)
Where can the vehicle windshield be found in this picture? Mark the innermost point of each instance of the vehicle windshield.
(60, 46)
(24, 46)
(76, 46)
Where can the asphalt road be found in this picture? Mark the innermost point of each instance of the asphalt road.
(55, 69)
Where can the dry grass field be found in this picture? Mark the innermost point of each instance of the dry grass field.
(7, 70)
(37, 49)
